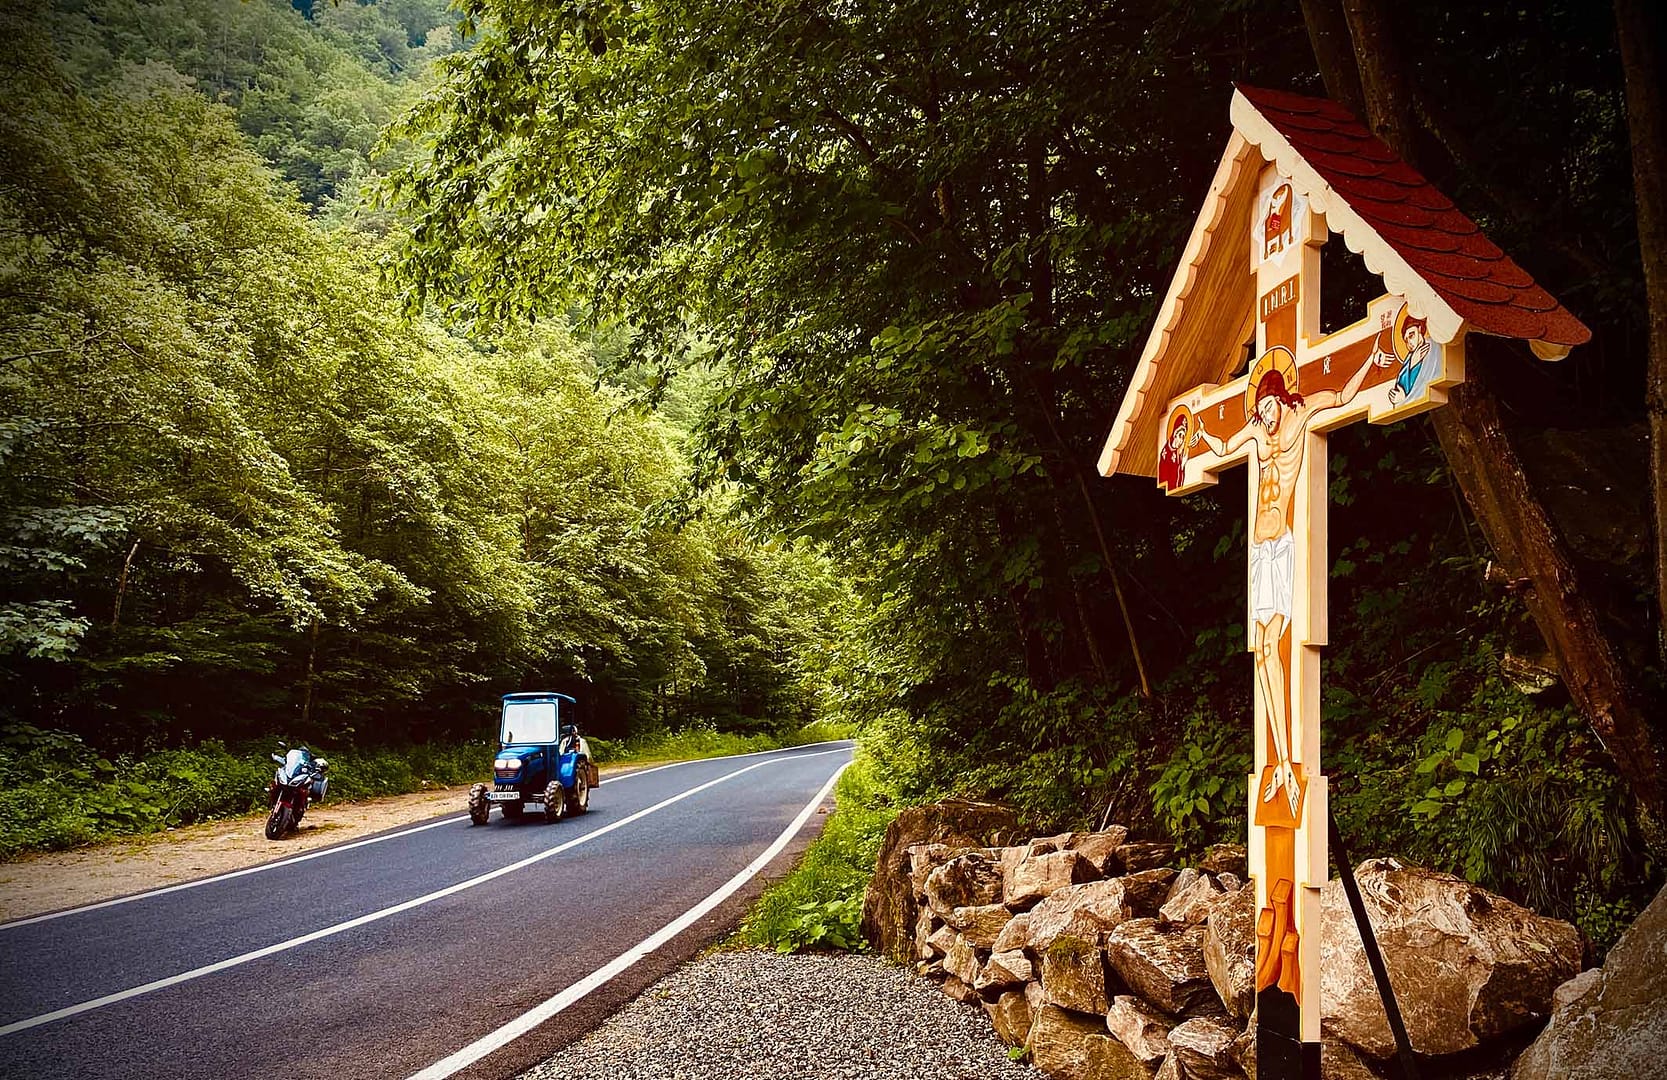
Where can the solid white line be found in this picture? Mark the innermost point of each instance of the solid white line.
(330, 931)
(537, 1015)
(319, 854)
(229, 875)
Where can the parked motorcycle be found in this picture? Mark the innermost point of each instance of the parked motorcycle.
(300, 779)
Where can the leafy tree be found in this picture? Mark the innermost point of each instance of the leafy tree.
(896, 232)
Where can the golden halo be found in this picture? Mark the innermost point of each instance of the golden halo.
(1400, 341)
(1192, 425)
(1279, 359)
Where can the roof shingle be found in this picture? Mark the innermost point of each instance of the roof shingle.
(1443, 246)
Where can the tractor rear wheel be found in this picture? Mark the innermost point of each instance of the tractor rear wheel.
(555, 802)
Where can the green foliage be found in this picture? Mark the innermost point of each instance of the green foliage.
(819, 905)
(1199, 794)
(57, 792)
(311, 94)
(821, 925)
(1511, 794)
(243, 495)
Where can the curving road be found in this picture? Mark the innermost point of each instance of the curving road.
(431, 951)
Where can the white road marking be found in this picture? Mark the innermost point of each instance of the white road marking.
(334, 849)
(230, 874)
(537, 1015)
(362, 920)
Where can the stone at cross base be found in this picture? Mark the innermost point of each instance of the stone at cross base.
(1610, 1023)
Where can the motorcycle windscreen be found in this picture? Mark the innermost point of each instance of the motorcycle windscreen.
(529, 722)
(295, 763)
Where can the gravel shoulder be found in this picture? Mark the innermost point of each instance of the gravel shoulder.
(52, 881)
(766, 1016)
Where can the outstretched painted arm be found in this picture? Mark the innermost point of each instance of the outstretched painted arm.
(1223, 447)
(1321, 400)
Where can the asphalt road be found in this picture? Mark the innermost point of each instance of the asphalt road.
(385, 959)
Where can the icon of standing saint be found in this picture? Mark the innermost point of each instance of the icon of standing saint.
(1172, 458)
(1406, 343)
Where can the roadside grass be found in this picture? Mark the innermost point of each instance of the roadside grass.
(57, 793)
(704, 741)
(819, 905)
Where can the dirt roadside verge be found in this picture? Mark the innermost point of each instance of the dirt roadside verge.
(52, 881)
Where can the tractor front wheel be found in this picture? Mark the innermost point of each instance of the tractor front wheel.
(479, 808)
(581, 792)
(555, 802)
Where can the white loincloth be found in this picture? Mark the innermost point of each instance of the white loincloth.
(1273, 568)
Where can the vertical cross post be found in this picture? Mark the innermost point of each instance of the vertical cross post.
(1286, 627)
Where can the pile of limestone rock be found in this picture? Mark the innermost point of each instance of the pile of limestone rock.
(1107, 962)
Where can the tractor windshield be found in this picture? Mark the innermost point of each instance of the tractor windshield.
(529, 722)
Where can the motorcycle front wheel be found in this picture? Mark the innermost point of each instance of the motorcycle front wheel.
(278, 822)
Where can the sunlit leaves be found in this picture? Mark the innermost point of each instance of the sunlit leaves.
(240, 492)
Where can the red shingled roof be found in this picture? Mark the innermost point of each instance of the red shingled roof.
(1440, 244)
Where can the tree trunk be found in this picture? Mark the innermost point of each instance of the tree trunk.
(307, 686)
(1116, 586)
(1385, 90)
(1514, 521)
(121, 586)
(1530, 549)
(1642, 28)
(1044, 393)
(1328, 33)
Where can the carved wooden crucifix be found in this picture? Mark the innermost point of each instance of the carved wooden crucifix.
(1238, 371)
(1275, 418)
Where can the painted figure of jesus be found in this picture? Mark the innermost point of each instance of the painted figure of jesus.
(1279, 418)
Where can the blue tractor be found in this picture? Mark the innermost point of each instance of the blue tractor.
(543, 763)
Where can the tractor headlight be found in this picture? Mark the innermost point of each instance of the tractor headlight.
(507, 764)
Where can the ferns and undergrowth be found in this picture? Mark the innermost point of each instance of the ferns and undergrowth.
(819, 904)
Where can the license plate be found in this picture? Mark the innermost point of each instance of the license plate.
(503, 796)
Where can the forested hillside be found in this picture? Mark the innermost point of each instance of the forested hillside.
(926, 241)
(310, 86)
(244, 497)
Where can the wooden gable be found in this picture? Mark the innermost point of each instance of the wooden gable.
(1422, 246)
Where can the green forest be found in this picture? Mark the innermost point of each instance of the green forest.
(246, 498)
(743, 367)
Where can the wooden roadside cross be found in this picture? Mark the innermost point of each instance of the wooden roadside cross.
(1237, 370)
